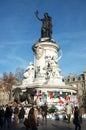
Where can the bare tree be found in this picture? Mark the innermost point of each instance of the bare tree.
(19, 74)
(8, 80)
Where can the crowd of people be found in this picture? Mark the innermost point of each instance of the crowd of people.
(12, 116)
(29, 117)
(9, 115)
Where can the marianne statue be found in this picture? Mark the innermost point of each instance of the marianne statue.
(46, 29)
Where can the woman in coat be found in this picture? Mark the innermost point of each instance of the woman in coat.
(77, 119)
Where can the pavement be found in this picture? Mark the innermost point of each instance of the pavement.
(48, 125)
(60, 125)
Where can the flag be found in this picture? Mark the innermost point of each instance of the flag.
(51, 95)
(62, 100)
(38, 95)
(56, 95)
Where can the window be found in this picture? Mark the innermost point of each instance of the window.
(73, 79)
(79, 78)
(68, 80)
(63, 80)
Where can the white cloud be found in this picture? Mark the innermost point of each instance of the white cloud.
(4, 44)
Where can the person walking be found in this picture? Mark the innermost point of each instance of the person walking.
(77, 118)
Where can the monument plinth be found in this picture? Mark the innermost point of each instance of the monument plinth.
(46, 62)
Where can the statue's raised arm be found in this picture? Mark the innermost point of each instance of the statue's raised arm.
(46, 29)
(36, 13)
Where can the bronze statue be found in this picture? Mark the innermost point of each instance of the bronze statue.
(46, 29)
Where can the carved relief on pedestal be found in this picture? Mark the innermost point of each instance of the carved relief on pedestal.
(51, 66)
(29, 74)
(38, 49)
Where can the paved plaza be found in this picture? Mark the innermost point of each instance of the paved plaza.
(49, 125)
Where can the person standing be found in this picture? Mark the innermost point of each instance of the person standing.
(8, 115)
(32, 119)
(1, 116)
(76, 118)
(68, 111)
(44, 112)
(21, 114)
(16, 117)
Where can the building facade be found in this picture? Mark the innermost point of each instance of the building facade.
(80, 82)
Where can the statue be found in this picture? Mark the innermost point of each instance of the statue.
(46, 29)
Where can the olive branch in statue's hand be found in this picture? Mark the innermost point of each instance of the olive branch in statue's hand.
(36, 12)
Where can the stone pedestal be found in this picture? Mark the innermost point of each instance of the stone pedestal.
(46, 61)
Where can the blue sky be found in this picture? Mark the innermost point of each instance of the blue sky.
(20, 29)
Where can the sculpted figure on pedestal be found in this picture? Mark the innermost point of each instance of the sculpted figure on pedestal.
(46, 29)
(38, 51)
(29, 73)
